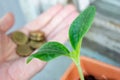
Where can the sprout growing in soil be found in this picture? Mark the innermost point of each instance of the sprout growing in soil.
(77, 31)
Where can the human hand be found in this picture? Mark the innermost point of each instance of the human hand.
(54, 22)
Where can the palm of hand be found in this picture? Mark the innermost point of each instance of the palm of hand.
(54, 22)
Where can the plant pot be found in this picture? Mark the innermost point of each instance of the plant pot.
(93, 67)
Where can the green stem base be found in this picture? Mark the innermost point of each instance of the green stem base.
(80, 71)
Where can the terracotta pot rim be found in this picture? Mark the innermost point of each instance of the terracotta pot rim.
(97, 63)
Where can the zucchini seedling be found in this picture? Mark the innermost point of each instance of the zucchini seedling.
(77, 31)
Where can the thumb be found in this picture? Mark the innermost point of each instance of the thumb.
(5, 42)
(6, 22)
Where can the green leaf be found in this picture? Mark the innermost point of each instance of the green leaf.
(49, 51)
(80, 26)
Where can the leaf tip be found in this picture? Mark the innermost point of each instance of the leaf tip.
(29, 59)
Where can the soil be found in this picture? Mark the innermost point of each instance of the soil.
(89, 77)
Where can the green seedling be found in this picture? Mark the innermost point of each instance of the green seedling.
(77, 31)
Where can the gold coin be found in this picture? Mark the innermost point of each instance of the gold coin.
(23, 50)
(19, 38)
(37, 36)
(35, 44)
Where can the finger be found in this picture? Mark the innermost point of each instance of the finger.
(58, 19)
(43, 19)
(63, 25)
(6, 22)
(26, 70)
(6, 47)
(62, 37)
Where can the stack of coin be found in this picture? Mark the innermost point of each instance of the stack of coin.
(37, 36)
(37, 39)
(27, 44)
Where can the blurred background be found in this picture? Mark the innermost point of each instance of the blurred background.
(102, 41)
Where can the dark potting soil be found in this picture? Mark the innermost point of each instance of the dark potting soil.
(89, 77)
